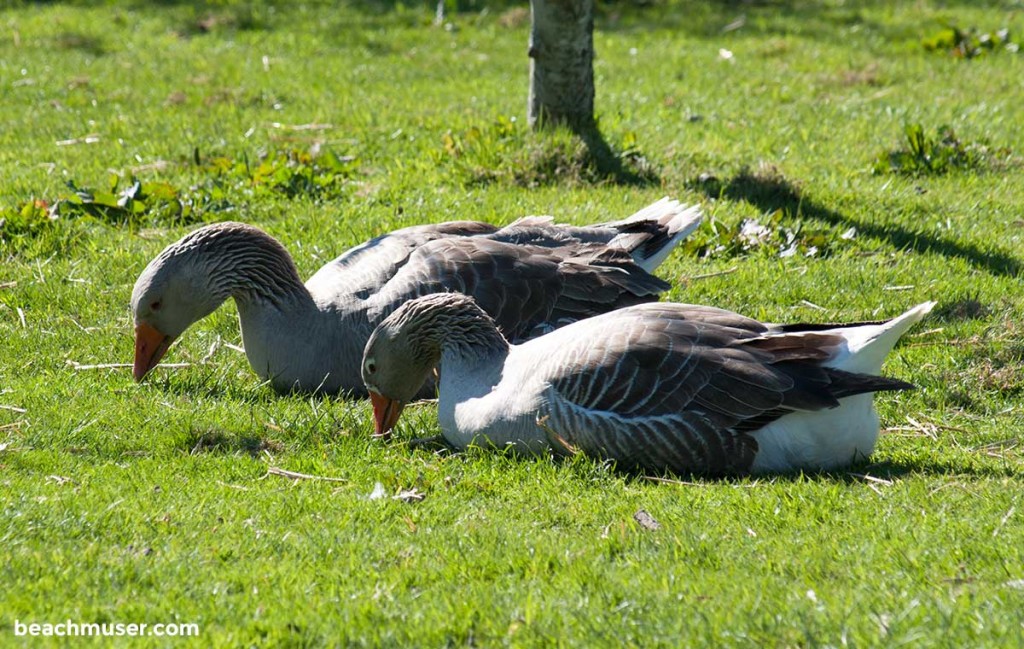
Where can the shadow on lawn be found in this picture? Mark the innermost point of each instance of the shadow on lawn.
(895, 471)
(213, 386)
(770, 192)
(714, 19)
(211, 440)
(882, 472)
(610, 165)
(217, 387)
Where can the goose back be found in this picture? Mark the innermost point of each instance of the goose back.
(527, 289)
(680, 387)
(361, 271)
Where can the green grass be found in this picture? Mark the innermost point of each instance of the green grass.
(151, 503)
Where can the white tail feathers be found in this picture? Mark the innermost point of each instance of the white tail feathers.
(676, 219)
(868, 345)
(665, 223)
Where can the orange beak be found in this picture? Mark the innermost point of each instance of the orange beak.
(385, 414)
(150, 346)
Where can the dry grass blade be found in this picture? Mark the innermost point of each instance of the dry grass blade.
(8, 284)
(409, 495)
(13, 409)
(735, 485)
(952, 485)
(98, 366)
(871, 478)
(997, 449)
(1002, 522)
(955, 342)
(924, 428)
(214, 346)
(433, 442)
(294, 475)
(1003, 444)
(114, 366)
(302, 127)
(557, 441)
(928, 429)
(684, 279)
(903, 431)
(85, 139)
(671, 481)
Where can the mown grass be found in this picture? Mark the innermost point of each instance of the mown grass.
(152, 503)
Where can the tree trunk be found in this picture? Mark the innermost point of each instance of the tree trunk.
(562, 63)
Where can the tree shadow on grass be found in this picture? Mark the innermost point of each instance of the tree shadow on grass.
(771, 191)
(616, 167)
(554, 154)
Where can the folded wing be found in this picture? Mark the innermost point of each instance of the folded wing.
(681, 387)
(527, 289)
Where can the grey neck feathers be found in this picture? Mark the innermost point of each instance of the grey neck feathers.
(242, 262)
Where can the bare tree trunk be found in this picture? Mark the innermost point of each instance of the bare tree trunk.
(562, 63)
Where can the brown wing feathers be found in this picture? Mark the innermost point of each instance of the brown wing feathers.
(523, 286)
(684, 386)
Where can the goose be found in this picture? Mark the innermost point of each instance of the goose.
(531, 276)
(657, 386)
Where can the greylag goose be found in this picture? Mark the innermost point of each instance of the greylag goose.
(531, 276)
(659, 386)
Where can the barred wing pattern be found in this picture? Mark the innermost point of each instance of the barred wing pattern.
(527, 289)
(362, 270)
(681, 387)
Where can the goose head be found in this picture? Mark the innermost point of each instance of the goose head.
(194, 275)
(170, 294)
(406, 347)
(395, 366)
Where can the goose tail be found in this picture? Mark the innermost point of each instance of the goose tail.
(868, 345)
(651, 234)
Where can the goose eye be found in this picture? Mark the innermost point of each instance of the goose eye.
(155, 306)
(371, 366)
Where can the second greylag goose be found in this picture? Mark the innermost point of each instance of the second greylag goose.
(531, 276)
(660, 386)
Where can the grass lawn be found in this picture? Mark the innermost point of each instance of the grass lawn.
(329, 124)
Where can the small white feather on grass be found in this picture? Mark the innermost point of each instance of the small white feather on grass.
(295, 475)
